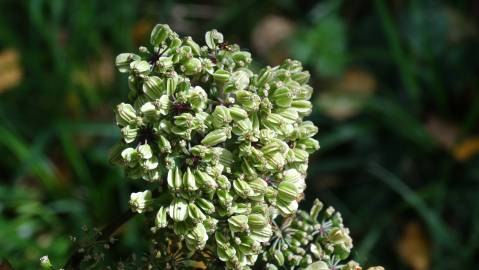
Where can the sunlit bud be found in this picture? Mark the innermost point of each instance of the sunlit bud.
(163, 104)
(226, 157)
(195, 48)
(303, 107)
(216, 136)
(282, 97)
(145, 151)
(153, 87)
(275, 161)
(205, 180)
(125, 115)
(150, 164)
(264, 76)
(192, 66)
(159, 34)
(223, 182)
(238, 223)
(220, 116)
(140, 67)
(175, 179)
(198, 98)
(287, 191)
(195, 213)
(304, 92)
(210, 225)
(184, 120)
(242, 188)
(257, 221)
(295, 177)
(301, 77)
(289, 115)
(129, 133)
(262, 235)
(239, 80)
(242, 57)
(205, 205)
(248, 100)
(278, 257)
(140, 201)
(175, 42)
(274, 146)
(148, 110)
(178, 210)
(225, 198)
(259, 188)
(163, 144)
(130, 155)
(237, 113)
(247, 168)
(196, 238)
(300, 155)
(161, 220)
(287, 208)
(221, 75)
(265, 135)
(123, 61)
(306, 129)
(213, 38)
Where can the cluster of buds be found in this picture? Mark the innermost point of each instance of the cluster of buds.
(228, 146)
(317, 237)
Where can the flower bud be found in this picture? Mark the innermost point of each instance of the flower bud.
(257, 221)
(140, 201)
(278, 257)
(220, 116)
(189, 180)
(125, 115)
(282, 97)
(306, 130)
(153, 87)
(239, 80)
(44, 263)
(213, 38)
(170, 84)
(242, 188)
(287, 191)
(248, 100)
(210, 225)
(145, 151)
(195, 48)
(242, 58)
(196, 239)
(163, 144)
(159, 34)
(308, 144)
(262, 235)
(216, 136)
(175, 179)
(123, 61)
(264, 76)
(223, 182)
(225, 198)
(195, 213)
(237, 113)
(130, 155)
(287, 208)
(149, 112)
(161, 220)
(205, 205)
(178, 210)
(301, 77)
(129, 133)
(192, 66)
(140, 67)
(238, 223)
(303, 107)
(205, 180)
(221, 75)
(198, 98)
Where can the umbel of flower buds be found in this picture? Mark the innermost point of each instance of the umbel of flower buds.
(226, 146)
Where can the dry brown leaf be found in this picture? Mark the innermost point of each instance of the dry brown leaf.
(10, 69)
(268, 34)
(466, 149)
(444, 132)
(413, 247)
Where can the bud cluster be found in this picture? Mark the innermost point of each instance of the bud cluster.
(318, 236)
(228, 145)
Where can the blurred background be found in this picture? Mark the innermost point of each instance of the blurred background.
(396, 98)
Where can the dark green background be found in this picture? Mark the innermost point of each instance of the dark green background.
(402, 74)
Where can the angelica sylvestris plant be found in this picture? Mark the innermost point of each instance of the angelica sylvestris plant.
(223, 152)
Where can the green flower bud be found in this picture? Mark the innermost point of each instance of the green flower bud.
(205, 205)
(205, 180)
(149, 112)
(195, 213)
(221, 75)
(264, 76)
(178, 210)
(197, 238)
(242, 58)
(145, 151)
(306, 129)
(237, 113)
(129, 133)
(126, 115)
(301, 77)
(45, 262)
(213, 38)
(296, 178)
(257, 221)
(248, 100)
(216, 136)
(223, 182)
(170, 84)
(130, 155)
(150, 164)
(210, 225)
(262, 235)
(244, 127)
(303, 107)
(239, 80)
(140, 202)
(278, 257)
(175, 179)
(192, 66)
(242, 188)
(123, 61)
(153, 87)
(287, 208)
(159, 34)
(289, 115)
(310, 145)
(282, 97)
(195, 48)
(140, 67)
(300, 155)
(225, 198)
(220, 116)
(184, 120)
(238, 223)
(198, 98)
(189, 180)
(163, 144)
(287, 191)
(161, 220)
(319, 265)
(275, 161)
